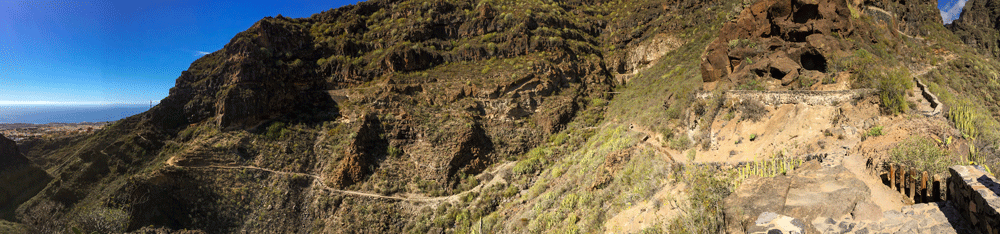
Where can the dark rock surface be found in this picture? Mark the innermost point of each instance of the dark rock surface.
(19, 178)
(10, 156)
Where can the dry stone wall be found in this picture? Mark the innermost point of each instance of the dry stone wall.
(933, 99)
(808, 97)
(974, 193)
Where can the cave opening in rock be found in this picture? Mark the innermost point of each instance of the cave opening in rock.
(798, 36)
(776, 73)
(813, 61)
(806, 13)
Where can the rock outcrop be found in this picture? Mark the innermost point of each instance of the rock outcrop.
(979, 26)
(364, 153)
(781, 39)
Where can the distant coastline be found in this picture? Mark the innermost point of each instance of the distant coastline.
(48, 114)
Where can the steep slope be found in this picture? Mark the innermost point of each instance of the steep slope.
(979, 26)
(408, 99)
(437, 116)
(19, 178)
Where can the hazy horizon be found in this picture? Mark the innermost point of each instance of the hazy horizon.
(45, 114)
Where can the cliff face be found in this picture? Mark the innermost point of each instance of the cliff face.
(382, 97)
(979, 26)
(424, 116)
(909, 15)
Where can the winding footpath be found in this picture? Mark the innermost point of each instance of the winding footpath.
(496, 179)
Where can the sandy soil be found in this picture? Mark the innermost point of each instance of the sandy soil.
(662, 207)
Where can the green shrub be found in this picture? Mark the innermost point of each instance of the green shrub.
(923, 154)
(532, 161)
(703, 213)
(393, 152)
(275, 130)
(559, 139)
(875, 131)
(892, 87)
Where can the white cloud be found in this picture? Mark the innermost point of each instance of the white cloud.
(954, 12)
(201, 53)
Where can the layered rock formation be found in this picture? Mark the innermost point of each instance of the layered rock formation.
(979, 26)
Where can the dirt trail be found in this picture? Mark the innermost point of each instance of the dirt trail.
(883, 196)
(653, 141)
(496, 179)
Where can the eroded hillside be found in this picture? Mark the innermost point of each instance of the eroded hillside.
(461, 116)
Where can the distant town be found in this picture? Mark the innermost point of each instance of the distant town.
(22, 131)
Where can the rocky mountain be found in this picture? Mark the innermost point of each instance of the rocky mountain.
(979, 26)
(461, 116)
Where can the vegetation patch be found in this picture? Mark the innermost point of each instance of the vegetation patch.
(923, 154)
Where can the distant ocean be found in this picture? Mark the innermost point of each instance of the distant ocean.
(43, 114)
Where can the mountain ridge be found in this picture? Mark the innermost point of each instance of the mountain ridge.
(534, 116)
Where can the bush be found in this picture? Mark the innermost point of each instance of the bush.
(104, 220)
(892, 87)
(923, 154)
(559, 139)
(704, 212)
(752, 111)
(875, 131)
(393, 151)
(275, 130)
(533, 161)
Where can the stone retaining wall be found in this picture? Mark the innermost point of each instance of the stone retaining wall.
(974, 193)
(809, 97)
(933, 99)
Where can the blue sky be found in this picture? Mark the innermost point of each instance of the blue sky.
(951, 9)
(102, 52)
